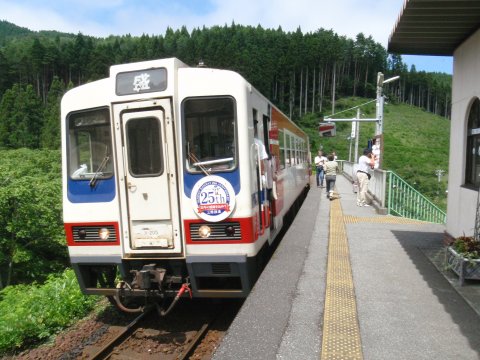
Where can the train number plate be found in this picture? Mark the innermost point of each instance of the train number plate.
(152, 235)
(163, 243)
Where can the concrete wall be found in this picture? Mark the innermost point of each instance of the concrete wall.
(461, 206)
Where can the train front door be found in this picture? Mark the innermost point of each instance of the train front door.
(149, 179)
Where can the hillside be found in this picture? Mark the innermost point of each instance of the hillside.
(416, 144)
(12, 32)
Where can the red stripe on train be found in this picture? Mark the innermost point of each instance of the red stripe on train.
(247, 226)
(71, 242)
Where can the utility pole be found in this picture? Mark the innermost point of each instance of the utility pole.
(379, 104)
(439, 174)
(357, 134)
(378, 116)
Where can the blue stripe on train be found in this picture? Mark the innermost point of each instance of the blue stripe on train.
(189, 180)
(80, 191)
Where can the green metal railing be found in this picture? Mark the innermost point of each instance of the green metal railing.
(405, 201)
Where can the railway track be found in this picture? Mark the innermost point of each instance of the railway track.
(177, 336)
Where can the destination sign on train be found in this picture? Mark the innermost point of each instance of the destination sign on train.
(143, 81)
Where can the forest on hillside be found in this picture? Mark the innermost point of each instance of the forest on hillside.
(302, 73)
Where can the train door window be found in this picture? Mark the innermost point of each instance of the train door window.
(266, 140)
(90, 145)
(281, 142)
(144, 147)
(210, 140)
(472, 173)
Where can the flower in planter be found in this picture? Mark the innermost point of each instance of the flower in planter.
(467, 247)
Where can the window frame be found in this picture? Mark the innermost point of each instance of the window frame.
(472, 160)
(211, 168)
(72, 131)
(131, 147)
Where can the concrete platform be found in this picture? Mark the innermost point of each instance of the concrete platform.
(408, 305)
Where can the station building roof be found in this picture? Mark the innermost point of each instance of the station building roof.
(434, 27)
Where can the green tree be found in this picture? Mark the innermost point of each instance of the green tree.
(20, 118)
(50, 136)
(4, 73)
(32, 244)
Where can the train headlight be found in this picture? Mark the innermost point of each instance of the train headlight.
(204, 231)
(104, 233)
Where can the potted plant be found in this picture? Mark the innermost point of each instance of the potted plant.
(463, 257)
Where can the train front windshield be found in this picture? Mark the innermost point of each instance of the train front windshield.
(90, 145)
(209, 125)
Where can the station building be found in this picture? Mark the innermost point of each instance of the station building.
(451, 28)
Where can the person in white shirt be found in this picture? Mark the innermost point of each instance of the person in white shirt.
(261, 149)
(320, 161)
(365, 163)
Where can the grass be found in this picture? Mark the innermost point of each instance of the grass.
(31, 314)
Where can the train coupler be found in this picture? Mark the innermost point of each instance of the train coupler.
(148, 276)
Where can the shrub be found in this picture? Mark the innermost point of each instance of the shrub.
(33, 313)
(467, 246)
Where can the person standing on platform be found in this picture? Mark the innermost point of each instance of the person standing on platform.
(331, 170)
(365, 163)
(320, 161)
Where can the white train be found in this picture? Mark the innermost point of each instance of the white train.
(165, 190)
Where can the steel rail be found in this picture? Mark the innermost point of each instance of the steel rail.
(106, 350)
(194, 343)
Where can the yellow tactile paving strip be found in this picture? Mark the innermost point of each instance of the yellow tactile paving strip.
(349, 219)
(341, 332)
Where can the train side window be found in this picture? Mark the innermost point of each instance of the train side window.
(90, 145)
(288, 156)
(210, 135)
(293, 142)
(291, 153)
(297, 158)
(300, 151)
(281, 141)
(304, 152)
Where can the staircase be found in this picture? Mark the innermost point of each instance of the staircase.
(405, 201)
(394, 196)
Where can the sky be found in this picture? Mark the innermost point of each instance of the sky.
(102, 18)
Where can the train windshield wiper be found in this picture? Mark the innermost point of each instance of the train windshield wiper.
(103, 164)
(213, 162)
